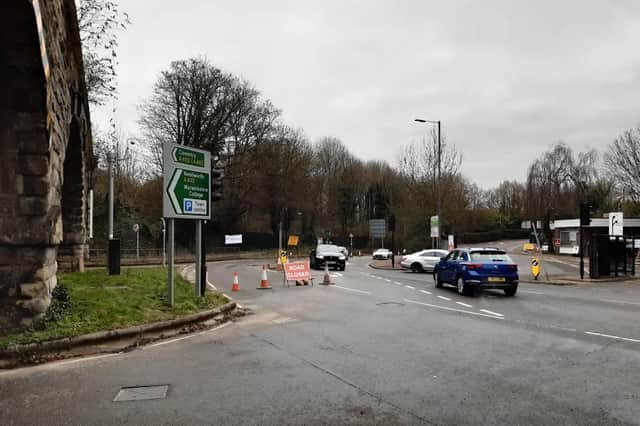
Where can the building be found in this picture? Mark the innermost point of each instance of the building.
(566, 233)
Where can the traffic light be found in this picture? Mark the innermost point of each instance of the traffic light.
(217, 174)
(585, 214)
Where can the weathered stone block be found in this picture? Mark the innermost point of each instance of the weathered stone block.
(33, 206)
(34, 290)
(33, 143)
(35, 185)
(36, 165)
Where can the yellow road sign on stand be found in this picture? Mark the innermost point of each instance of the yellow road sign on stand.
(293, 240)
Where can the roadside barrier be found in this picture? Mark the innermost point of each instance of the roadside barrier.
(299, 272)
(236, 285)
(264, 282)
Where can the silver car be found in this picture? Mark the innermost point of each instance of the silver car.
(423, 260)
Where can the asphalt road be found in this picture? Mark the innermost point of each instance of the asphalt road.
(379, 347)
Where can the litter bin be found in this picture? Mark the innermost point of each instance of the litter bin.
(113, 257)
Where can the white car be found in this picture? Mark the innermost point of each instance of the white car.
(382, 254)
(423, 260)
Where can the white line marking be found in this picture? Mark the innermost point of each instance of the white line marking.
(339, 274)
(397, 283)
(444, 298)
(452, 309)
(491, 313)
(465, 305)
(187, 336)
(352, 289)
(408, 286)
(626, 339)
(387, 280)
(425, 292)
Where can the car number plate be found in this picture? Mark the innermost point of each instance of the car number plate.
(496, 279)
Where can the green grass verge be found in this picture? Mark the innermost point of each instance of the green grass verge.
(101, 302)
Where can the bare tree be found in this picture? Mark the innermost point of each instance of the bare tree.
(196, 104)
(622, 162)
(99, 22)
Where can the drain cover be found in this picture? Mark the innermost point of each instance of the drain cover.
(141, 393)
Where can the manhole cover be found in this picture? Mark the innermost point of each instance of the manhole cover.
(141, 393)
(390, 303)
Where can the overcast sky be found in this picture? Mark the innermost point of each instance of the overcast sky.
(507, 78)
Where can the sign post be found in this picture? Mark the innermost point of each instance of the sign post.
(435, 230)
(136, 229)
(186, 195)
(616, 224)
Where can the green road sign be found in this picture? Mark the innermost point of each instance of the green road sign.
(187, 182)
(188, 156)
(189, 192)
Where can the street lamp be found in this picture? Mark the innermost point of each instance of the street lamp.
(439, 202)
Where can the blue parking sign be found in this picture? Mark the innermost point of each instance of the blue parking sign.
(188, 205)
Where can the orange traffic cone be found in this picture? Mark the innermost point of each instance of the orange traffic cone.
(264, 282)
(236, 284)
(327, 277)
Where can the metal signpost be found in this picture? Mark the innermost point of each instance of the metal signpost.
(136, 229)
(186, 195)
(435, 230)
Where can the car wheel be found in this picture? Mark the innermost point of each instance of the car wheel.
(511, 291)
(437, 280)
(463, 289)
(416, 267)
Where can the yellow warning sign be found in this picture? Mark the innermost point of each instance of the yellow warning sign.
(535, 268)
(293, 240)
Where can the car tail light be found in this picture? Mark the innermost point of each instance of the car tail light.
(474, 266)
(513, 267)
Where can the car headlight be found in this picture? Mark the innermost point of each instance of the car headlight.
(342, 258)
(319, 256)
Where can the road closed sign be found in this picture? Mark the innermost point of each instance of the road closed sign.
(186, 183)
(297, 271)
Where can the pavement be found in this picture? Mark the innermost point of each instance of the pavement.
(379, 347)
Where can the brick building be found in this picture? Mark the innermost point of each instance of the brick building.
(45, 152)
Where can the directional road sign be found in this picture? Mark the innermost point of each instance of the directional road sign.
(187, 182)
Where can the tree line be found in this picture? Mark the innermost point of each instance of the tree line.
(274, 174)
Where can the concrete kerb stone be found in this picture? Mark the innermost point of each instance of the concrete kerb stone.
(105, 336)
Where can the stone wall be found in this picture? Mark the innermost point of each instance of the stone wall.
(45, 145)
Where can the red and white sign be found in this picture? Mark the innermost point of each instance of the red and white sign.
(556, 242)
(297, 271)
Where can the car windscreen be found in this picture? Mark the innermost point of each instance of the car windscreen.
(490, 256)
(326, 248)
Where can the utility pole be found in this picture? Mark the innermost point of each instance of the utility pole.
(110, 160)
(438, 180)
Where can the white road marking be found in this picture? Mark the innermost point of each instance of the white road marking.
(626, 339)
(491, 313)
(352, 289)
(465, 305)
(387, 280)
(444, 298)
(339, 274)
(452, 309)
(397, 283)
(187, 336)
(409, 287)
(425, 292)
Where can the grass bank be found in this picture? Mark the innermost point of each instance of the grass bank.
(101, 302)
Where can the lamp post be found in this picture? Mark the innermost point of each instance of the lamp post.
(438, 182)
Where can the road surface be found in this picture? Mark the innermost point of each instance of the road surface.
(379, 347)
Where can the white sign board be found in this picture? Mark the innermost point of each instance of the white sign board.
(136, 227)
(451, 244)
(435, 227)
(186, 182)
(233, 239)
(616, 227)
(377, 228)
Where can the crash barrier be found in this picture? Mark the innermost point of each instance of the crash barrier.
(299, 272)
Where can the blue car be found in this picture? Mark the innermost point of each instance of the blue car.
(474, 268)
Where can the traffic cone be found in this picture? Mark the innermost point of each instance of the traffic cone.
(264, 282)
(236, 284)
(327, 277)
